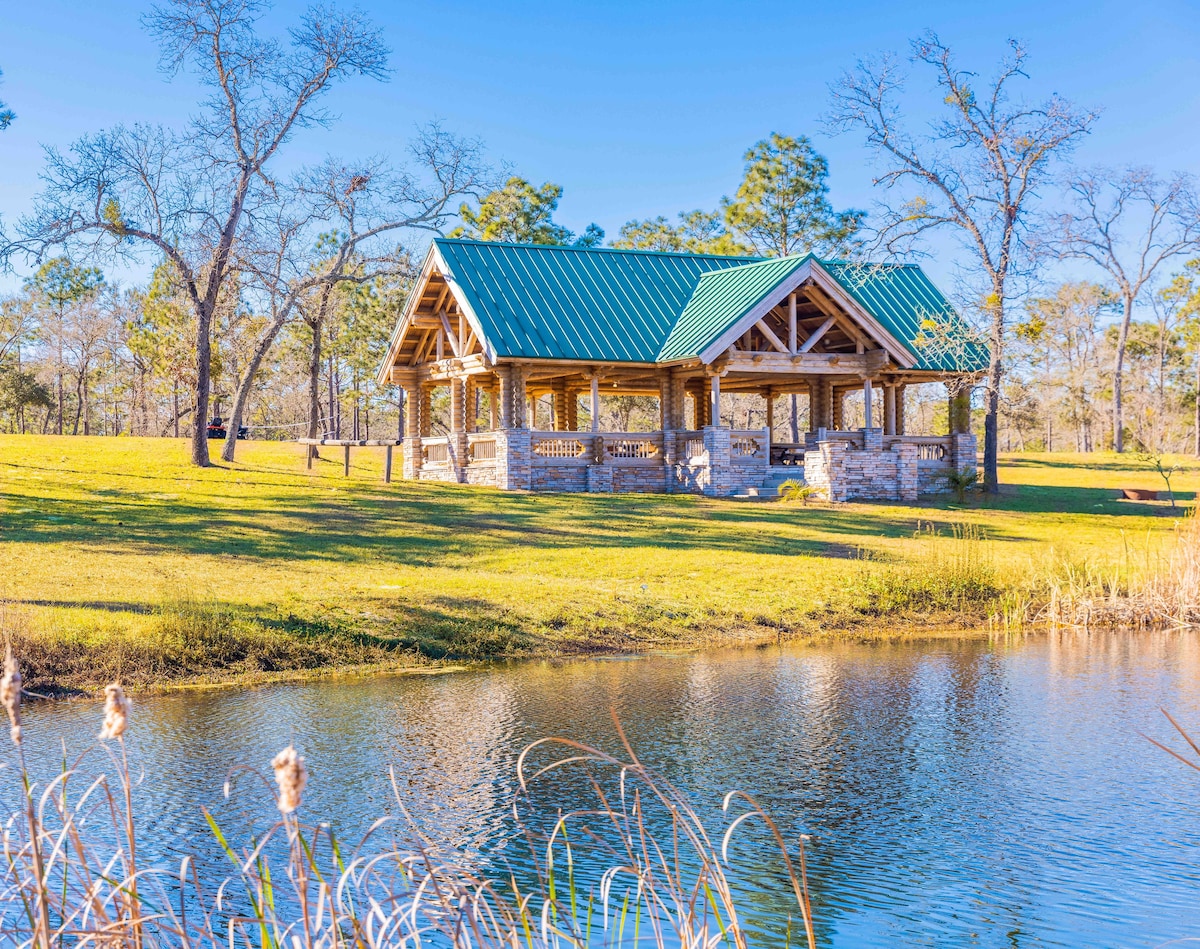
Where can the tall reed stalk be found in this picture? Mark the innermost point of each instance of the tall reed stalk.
(298, 887)
(1146, 590)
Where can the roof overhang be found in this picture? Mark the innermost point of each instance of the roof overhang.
(811, 271)
(434, 264)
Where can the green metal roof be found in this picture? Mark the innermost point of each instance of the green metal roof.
(902, 298)
(535, 301)
(721, 300)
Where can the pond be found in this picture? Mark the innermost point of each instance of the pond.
(958, 792)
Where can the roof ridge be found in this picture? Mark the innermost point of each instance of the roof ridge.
(603, 250)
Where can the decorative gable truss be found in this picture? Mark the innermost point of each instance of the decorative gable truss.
(437, 334)
(805, 325)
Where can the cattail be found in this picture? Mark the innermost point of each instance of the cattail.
(291, 776)
(10, 694)
(116, 712)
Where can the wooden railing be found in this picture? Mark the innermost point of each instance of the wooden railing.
(691, 448)
(931, 449)
(586, 448)
(557, 448)
(749, 448)
(628, 449)
(436, 451)
(481, 448)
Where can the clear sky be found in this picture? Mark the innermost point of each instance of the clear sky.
(635, 108)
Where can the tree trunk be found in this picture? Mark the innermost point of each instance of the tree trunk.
(203, 384)
(247, 383)
(314, 386)
(78, 405)
(991, 418)
(794, 416)
(1197, 419)
(1118, 414)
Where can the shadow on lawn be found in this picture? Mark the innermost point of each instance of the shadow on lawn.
(431, 524)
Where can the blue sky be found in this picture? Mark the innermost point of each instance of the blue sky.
(636, 109)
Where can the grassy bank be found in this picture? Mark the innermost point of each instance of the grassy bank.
(118, 559)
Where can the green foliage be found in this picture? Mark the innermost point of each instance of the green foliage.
(782, 205)
(698, 232)
(6, 114)
(20, 390)
(520, 213)
(62, 283)
(960, 482)
(111, 213)
(794, 490)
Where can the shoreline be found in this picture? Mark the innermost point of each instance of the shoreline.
(218, 678)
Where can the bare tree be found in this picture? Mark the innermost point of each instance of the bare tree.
(360, 208)
(1129, 225)
(975, 173)
(194, 195)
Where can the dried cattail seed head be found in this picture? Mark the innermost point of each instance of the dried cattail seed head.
(10, 694)
(291, 776)
(116, 712)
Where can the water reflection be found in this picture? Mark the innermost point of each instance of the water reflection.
(958, 793)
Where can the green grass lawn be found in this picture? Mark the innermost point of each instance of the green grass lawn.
(119, 558)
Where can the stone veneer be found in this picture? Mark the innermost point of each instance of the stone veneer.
(840, 471)
(836, 467)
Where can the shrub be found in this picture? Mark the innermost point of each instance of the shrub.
(794, 490)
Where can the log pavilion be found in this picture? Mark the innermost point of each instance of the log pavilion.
(505, 325)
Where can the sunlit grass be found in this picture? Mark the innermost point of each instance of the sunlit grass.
(119, 553)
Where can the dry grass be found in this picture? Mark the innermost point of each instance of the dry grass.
(297, 886)
(1156, 590)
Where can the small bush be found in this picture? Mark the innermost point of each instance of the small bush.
(960, 482)
(793, 490)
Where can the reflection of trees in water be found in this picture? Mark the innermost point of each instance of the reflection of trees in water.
(953, 786)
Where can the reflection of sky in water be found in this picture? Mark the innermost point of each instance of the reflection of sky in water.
(958, 793)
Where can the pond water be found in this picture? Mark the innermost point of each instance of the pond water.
(958, 792)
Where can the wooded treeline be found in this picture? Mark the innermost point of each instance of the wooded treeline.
(273, 296)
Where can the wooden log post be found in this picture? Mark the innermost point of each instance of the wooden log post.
(595, 420)
(868, 406)
(571, 396)
(900, 409)
(412, 426)
(960, 411)
(770, 397)
(560, 405)
(505, 397)
(889, 410)
(520, 398)
(387, 465)
(792, 342)
(346, 461)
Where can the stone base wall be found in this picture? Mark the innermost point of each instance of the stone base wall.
(690, 479)
(931, 476)
(836, 468)
(481, 475)
(438, 473)
(840, 473)
(600, 479)
(642, 479)
(964, 453)
(558, 478)
(513, 469)
(720, 481)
